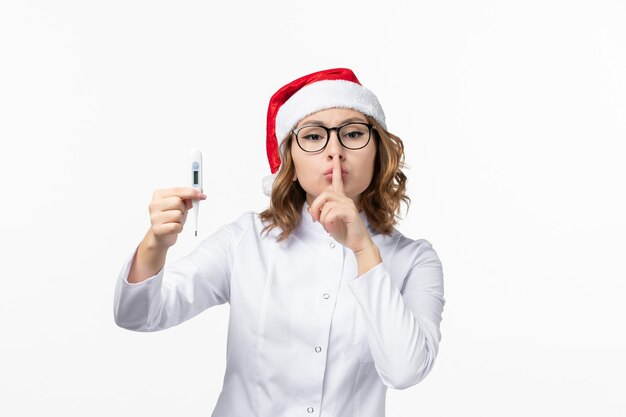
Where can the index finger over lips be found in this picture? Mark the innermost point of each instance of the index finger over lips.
(337, 180)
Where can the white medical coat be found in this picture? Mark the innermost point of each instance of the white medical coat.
(306, 336)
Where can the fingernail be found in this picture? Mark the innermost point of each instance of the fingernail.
(203, 197)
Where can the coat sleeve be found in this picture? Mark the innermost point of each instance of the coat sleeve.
(182, 289)
(403, 324)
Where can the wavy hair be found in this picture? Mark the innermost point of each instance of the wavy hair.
(380, 201)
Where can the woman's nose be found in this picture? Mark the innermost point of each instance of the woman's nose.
(334, 146)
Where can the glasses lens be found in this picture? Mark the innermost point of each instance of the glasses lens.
(354, 135)
(312, 138)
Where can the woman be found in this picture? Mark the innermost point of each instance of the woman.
(329, 304)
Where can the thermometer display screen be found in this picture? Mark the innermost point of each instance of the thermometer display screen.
(195, 177)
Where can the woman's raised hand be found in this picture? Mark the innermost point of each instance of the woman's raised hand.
(339, 215)
(168, 212)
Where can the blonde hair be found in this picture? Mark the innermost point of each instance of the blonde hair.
(380, 201)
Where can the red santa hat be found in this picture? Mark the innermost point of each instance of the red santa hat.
(320, 90)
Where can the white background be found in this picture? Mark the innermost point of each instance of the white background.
(513, 117)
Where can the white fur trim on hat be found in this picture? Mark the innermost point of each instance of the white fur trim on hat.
(268, 182)
(323, 95)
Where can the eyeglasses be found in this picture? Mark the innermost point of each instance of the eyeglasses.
(314, 138)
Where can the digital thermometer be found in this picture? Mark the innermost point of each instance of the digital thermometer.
(195, 161)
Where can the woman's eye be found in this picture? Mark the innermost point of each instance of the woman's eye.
(353, 135)
(312, 137)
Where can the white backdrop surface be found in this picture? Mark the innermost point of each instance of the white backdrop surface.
(513, 117)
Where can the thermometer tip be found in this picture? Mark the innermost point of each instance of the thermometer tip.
(196, 233)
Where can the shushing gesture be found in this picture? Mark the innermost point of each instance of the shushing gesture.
(339, 216)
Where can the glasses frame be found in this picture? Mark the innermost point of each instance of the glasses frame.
(370, 127)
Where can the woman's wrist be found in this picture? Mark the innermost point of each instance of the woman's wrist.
(367, 258)
(149, 259)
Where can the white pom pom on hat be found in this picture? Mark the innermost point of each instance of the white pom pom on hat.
(268, 182)
(320, 90)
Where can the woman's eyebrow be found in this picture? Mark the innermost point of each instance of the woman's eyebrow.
(318, 122)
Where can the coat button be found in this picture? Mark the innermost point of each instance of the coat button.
(318, 349)
(332, 245)
(325, 296)
(310, 409)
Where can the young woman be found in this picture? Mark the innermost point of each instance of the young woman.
(329, 304)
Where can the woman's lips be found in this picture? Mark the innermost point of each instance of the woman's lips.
(329, 176)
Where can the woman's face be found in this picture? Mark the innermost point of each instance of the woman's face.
(313, 168)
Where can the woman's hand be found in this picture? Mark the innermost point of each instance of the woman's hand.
(168, 213)
(339, 215)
